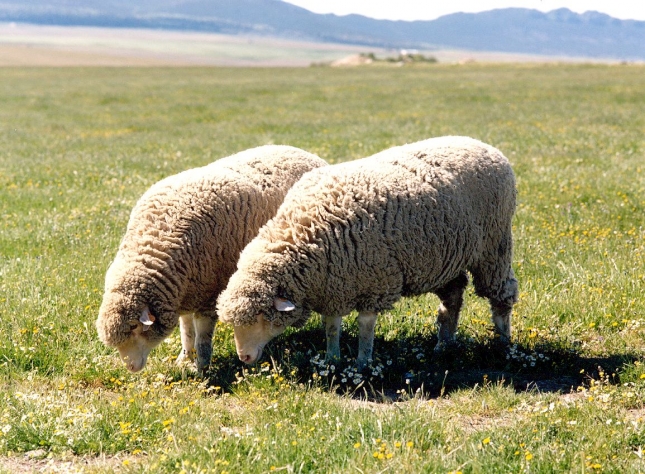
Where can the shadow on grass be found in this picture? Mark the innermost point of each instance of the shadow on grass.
(407, 364)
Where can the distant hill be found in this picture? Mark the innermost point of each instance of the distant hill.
(514, 30)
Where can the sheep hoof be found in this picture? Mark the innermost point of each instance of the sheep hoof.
(363, 363)
(202, 371)
(502, 339)
(445, 346)
(332, 359)
(185, 361)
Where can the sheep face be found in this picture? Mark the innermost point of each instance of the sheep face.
(251, 339)
(133, 327)
(258, 299)
(257, 315)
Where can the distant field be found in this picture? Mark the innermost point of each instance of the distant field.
(80, 145)
(80, 46)
(33, 45)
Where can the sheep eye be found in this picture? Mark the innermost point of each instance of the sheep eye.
(133, 325)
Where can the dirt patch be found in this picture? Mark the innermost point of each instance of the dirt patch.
(637, 415)
(37, 462)
(42, 56)
(353, 60)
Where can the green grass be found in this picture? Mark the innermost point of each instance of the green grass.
(79, 146)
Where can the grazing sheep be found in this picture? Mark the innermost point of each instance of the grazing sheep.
(360, 235)
(181, 246)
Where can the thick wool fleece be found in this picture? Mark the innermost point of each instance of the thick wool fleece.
(185, 235)
(360, 235)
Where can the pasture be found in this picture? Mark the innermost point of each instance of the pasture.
(78, 146)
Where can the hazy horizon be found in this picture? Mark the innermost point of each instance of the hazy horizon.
(423, 10)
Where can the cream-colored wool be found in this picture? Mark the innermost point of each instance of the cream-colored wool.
(360, 235)
(182, 244)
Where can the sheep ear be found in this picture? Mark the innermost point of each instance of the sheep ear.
(146, 318)
(282, 304)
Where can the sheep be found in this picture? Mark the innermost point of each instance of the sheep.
(360, 235)
(181, 246)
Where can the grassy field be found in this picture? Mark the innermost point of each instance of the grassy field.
(79, 146)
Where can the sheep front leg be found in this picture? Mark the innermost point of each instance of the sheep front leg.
(366, 323)
(204, 328)
(187, 331)
(502, 306)
(502, 321)
(332, 331)
(452, 298)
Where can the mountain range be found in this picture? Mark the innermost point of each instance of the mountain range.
(515, 30)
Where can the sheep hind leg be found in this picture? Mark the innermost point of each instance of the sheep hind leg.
(452, 299)
(366, 323)
(187, 331)
(204, 328)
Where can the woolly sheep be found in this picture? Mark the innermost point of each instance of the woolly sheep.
(181, 246)
(360, 235)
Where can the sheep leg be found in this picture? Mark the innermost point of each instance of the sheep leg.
(332, 331)
(452, 299)
(366, 323)
(187, 331)
(502, 320)
(204, 328)
(502, 307)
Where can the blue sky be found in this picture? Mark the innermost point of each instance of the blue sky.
(431, 9)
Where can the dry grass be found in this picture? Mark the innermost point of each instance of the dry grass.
(33, 45)
(37, 462)
(47, 56)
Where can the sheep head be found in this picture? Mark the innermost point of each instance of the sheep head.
(131, 326)
(251, 339)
